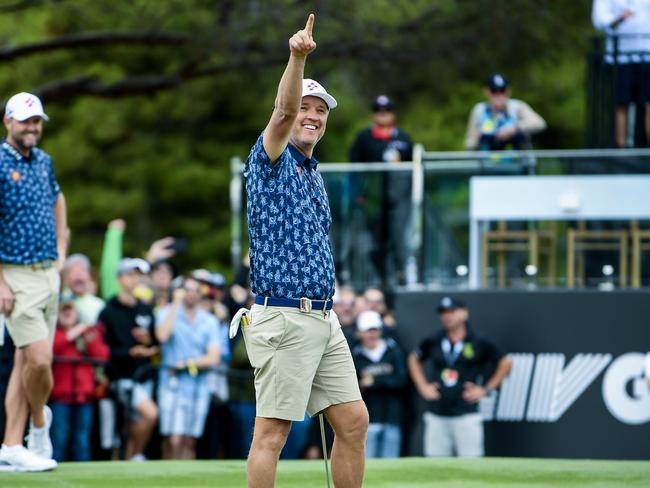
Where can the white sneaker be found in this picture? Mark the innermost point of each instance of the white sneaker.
(17, 458)
(38, 440)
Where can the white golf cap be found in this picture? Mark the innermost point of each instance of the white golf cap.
(133, 264)
(23, 106)
(369, 319)
(311, 88)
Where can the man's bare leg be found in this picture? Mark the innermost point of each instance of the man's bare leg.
(350, 424)
(16, 405)
(621, 125)
(141, 430)
(269, 437)
(37, 378)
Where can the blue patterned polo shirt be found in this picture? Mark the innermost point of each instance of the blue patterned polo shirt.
(28, 192)
(288, 225)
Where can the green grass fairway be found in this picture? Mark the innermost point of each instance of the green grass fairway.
(394, 473)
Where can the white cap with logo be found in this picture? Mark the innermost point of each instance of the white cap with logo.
(133, 264)
(369, 319)
(23, 106)
(311, 88)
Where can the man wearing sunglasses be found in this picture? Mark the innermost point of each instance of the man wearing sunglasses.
(501, 122)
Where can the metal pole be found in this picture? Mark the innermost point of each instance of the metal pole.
(235, 211)
(322, 436)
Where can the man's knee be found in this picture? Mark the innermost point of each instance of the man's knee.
(38, 357)
(270, 434)
(350, 424)
(148, 411)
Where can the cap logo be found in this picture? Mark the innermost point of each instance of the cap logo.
(312, 85)
(29, 101)
(446, 302)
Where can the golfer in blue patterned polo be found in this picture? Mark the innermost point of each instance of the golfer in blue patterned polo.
(33, 235)
(294, 340)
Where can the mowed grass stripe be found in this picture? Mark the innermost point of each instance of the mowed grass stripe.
(393, 473)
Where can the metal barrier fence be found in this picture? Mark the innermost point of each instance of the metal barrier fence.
(407, 225)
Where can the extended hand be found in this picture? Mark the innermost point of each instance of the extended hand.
(302, 42)
(506, 133)
(141, 335)
(7, 299)
(473, 393)
(431, 392)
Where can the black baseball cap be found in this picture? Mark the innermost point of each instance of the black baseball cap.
(449, 303)
(383, 102)
(497, 82)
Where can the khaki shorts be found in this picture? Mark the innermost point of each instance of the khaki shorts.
(302, 362)
(36, 307)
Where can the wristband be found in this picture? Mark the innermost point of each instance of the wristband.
(191, 367)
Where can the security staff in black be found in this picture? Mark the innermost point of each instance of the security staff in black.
(461, 362)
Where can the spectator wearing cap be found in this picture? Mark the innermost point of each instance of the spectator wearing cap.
(382, 376)
(501, 122)
(189, 338)
(33, 245)
(384, 141)
(292, 276)
(129, 333)
(461, 361)
(627, 26)
(77, 279)
(73, 395)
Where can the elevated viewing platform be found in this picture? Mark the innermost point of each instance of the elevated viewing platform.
(421, 224)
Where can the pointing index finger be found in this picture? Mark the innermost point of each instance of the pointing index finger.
(310, 24)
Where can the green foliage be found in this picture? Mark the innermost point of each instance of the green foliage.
(159, 156)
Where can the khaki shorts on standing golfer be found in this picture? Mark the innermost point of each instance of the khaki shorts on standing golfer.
(36, 291)
(302, 362)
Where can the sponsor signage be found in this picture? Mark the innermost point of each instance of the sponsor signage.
(577, 387)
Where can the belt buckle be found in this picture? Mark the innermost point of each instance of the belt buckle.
(305, 305)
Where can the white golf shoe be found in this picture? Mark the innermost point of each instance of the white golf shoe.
(18, 458)
(38, 439)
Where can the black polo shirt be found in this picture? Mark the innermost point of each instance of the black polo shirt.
(474, 360)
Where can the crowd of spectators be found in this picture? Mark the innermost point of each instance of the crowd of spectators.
(144, 367)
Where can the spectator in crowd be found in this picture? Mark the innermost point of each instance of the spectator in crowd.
(128, 325)
(344, 309)
(501, 122)
(384, 141)
(161, 276)
(77, 279)
(160, 250)
(33, 226)
(381, 369)
(376, 300)
(453, 425)
(189, 338)
(241, 404)
(627, 25)
(212, 294)
(74, 382)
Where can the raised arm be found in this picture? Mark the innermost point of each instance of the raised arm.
(287, 101)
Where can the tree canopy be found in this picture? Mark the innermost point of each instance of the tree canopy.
(150, 99)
